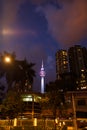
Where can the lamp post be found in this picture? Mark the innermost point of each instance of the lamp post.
(32, 106)
(8, 67)
(74, 112)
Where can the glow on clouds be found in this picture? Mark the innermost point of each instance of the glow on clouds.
(8, 31)
(68, 24)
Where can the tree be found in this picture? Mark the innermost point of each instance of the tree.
(12, 105)
(54, 102)
(24, 74)
(17, 71)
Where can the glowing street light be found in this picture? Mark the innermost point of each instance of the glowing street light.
(7, 59)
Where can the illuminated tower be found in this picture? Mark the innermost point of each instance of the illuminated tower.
(42, 75)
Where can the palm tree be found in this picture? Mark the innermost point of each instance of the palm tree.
(24, 74)
(17, 71)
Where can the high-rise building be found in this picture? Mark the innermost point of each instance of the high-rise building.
(61, 63)
(74, 61)
(78, 65)
(77, 60)
(84, 50)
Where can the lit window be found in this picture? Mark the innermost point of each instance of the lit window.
(64, 53)
(27, 99)
(79, 49)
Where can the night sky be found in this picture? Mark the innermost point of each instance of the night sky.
(36, 29)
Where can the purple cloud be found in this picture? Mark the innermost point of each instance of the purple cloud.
(67, 25)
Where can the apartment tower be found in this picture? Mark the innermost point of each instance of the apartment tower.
(78, 64)
(61, 63)
(77, 60)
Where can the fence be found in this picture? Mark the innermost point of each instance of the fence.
(28, 124)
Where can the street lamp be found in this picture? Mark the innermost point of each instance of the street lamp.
(74, 111)
(7, 59)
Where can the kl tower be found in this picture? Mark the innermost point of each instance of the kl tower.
(42, 75)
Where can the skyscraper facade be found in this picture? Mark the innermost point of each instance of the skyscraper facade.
(61, 63)
(84, 50)
(78, 65)
(77, 60)
(72, 64)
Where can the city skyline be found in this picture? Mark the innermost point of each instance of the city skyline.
(37, 29)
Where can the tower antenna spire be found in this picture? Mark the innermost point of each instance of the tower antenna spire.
(42, 63)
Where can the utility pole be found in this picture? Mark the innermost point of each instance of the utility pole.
(74, 112)
(32, 106)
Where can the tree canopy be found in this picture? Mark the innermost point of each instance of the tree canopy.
(18, 73)
(12, 105)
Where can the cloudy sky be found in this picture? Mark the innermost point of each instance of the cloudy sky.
(36, 29)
